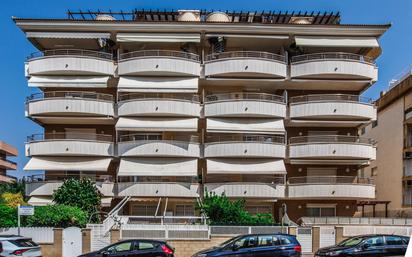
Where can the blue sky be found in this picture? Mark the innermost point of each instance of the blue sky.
(14, 127)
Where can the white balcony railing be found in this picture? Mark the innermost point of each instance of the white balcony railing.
(157, 189)
(247, 189)
(244, 104)
(47, 188)
(245, 63)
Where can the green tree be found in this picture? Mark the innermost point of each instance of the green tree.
(15, 187)
(59, 216)
(8, 216)
(81, 193)
(222, 211)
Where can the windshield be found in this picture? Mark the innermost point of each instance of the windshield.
(228, 242)
(351, 241)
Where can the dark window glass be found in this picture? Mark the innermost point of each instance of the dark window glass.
(265, 240)
(146, 246)
(245, 242)
(394, 240)
(23, 243)
(374, 241)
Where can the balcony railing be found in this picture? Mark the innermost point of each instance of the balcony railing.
(70, 136)
(330, 180)
(248, 138)
(160, 53)
(156, 96)
(245, 54)
(332, 56)
(244, 96)
(70, 95)
(71, 52)
(329, 98)
(148, 137)
(331, 139)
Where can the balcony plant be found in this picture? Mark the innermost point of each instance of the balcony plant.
(81, 193)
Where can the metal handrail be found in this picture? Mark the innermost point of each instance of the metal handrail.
(329, 180)
(245, 54)
(156, 96)
(331, 139)
(244, 96)
(146, 137)
(71, 95)
(332, 56)
(159, 53)
(274, 181)
(71, 52)
(328, 98)
(70, 136)
(106, 179)
(248, 138)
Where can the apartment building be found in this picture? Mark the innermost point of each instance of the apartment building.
(6, 151)
(392, 168)
(162, 107)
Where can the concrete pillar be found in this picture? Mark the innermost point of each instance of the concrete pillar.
(315, 238)
(58, 242)
(339, 234)
(114, 236)
(86, 240)
(292, 231)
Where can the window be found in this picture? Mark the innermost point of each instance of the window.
(394, 240)
(121, 247)
(374, 171)
(185, 210)
(245, 242)
(321, 211)
(363, 130)
(374, 241)
(145, 246)
(258, 209)
(374, 123)
(144, 210)
(265, 240)
(281, 240)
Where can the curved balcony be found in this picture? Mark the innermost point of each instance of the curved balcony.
(247, 189)
(332, 107)
(70, 144)
(334, 66)
(332, 147)
(56, 106)
(159, 63)
(144, 145)
(245, 64)
(157, 189)
(137, 104)
(70, 62)
(330, 187)
(250, 146)
(245, 105)
(47, 188)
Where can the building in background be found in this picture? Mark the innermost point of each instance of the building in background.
(6, 151)
(392, 169)
(161, 107)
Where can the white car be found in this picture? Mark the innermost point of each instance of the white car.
(12, 246)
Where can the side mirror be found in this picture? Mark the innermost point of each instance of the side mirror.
(235, 247)
(366, 246)
(105, 253)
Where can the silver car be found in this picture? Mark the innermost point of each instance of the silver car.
(12, 246)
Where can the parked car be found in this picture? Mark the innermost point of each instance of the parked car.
(134, 248)
(368, 245)
(267, 245)
(12, 245)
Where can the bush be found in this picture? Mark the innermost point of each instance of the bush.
(8, 216)
(12, 199)
(222, 211)
(81, 193)
(60, 216)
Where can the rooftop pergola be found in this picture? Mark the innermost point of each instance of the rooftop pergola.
(373, 203)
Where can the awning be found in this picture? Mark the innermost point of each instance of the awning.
(314, 41)
(158, 167)
(237, 125)
(106, 201)
(158, 37)
(163, 85)
(245, 166)
(40, 201)
(75, 35)
(68, 81)
(157, 124)
(68, 164)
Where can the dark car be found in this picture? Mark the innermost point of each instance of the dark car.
(369, 245)
(134, 248)
(270, 245)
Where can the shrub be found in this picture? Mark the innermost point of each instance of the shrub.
(12, 199)
(81, 193)
(222, 211)
(8, 216)
(60, 216)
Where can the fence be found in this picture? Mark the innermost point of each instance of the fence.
(37, 234)
(349, 231)
(309, 221)
(165, 232)
(241, 230)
